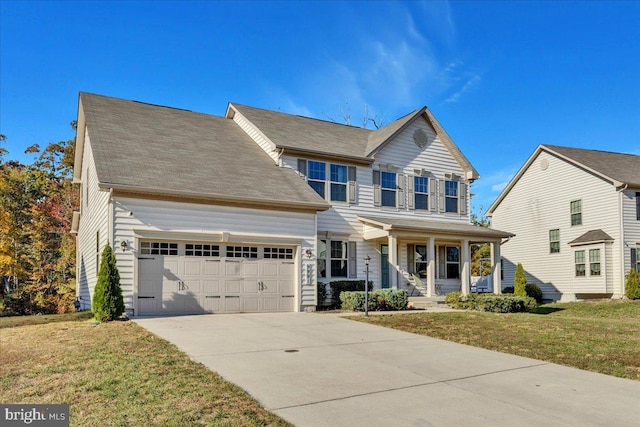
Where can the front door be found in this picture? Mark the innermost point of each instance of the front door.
(384, 266)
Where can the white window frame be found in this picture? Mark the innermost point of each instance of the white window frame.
(417, 193)
(578, 212)
(340, 183)
(580, 261)
(344, 258)
(422, 262)
(321, 259)
(323, 170)
(553, 249)
(448, 197)
(597, 262)
(388, 190)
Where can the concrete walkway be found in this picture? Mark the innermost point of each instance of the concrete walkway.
(324, 370)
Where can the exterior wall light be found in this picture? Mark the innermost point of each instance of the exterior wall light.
(123, 245)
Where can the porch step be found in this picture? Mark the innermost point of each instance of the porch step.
(423, 303)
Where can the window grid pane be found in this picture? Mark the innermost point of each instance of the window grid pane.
(338, 192)
(388, 198)
(192, 249)
(338, 173)
(451, 188)
(389, 180)
(421, 184)
(317, 170)
(422, 201)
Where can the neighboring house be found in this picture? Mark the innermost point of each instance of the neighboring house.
(248, 212)
(576, 215)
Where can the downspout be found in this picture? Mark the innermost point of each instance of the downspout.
(280, 157)
(621, 231)
(110, 219)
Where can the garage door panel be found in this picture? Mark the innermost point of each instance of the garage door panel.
(270, 270)
(250, 269)
(285, 287)
(250, 287)
(287, 303)
(211, 267)
(232, 304)
(192, 267)
(211, 287)
(212, 304)
(232, 286)
(250, 304)
(270, 303)
(232, 268)
(270, 286)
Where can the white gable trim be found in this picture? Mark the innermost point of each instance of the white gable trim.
(79, 148)
(232, 111)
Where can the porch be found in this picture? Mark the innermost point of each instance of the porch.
(430, 258)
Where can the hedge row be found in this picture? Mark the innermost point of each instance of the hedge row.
(490, 302)
(379, 300)
(337, 288)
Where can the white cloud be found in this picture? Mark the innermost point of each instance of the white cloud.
(471, 81)
(499, 187)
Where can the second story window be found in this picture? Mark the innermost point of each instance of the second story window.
(576, 212)
(554, 241)
(317, 176)
(451, 196)
(421, 192)
(389, 188)
(338, 183)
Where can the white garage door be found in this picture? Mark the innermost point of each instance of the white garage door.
(193, 277)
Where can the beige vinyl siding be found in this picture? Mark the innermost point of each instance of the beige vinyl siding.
(539, 202)
(256, 135)
(187, 219)
(631, 225)
(94, 218)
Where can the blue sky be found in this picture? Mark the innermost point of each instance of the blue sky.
(502, 77)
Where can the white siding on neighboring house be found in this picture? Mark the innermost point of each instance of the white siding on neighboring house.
(181, 220)
(539, 202)
(94, 220)
(256, 135)
(631, 225)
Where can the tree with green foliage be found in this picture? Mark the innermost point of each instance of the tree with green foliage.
(632, 287)
(519, 282)
(107, 301)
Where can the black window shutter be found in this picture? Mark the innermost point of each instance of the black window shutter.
(302, 167)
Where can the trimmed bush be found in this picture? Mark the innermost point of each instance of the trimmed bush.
(508, 290)
(632, 286)
(107, 303)
(519, 282)
(379, 300)
(533, 291)
(340, 286)
(490, 302)
(506, 304)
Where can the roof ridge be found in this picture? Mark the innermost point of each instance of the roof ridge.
(590, 149)
(332, 122)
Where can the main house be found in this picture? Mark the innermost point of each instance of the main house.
(249, 212)
(576, 215)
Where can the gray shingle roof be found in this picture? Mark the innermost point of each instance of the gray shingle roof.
(303, 133)
(591, 236)
(452, 228)
(624, 168)
(164, 150)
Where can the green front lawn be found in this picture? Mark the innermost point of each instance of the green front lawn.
(116, 374)
(597, 336)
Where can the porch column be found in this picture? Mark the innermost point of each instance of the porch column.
(496, 269)
(431, 266)
(466, 267)
(393, 261)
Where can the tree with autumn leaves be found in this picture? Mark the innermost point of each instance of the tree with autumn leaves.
(37, 253)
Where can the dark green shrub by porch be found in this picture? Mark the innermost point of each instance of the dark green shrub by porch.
(107, 303)
(532, 290)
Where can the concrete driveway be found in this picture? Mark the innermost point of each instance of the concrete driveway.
(323, 370)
